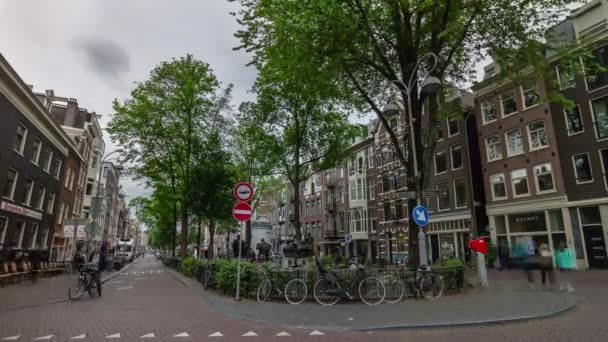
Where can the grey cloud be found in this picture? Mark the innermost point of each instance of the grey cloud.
(106, 57)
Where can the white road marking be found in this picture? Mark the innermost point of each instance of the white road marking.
(216, 334)
(150, 335)
(316, 333)
(124, 288)
(283, 333)
(11, 338)
(79, 337)
(141, 278)
(47, 337)
(184, 334)
(351, 319)
(117, 335)
(251, 333)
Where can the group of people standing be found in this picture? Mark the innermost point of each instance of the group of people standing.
(263, 248)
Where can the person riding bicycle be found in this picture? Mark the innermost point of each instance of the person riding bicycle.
(96, 265)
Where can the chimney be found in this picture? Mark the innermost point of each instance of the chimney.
(50, 92)
(70, 113)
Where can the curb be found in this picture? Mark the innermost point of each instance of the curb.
(398, 327)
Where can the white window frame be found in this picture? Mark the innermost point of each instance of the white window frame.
(559, 79)
(523, 97)
(452, 157)
(20, 241)
(603, 168)
(370, 157)
(21, 147)
(28, 201)
(438, 197)
(587, 77)
(4, 229)
(483, 112)
(590, 168)
(51, 202)
(66, 180)
(530, 136)
(36, 154)
(12, 195)
(507, 142)
(42, 197)
(580, 114)
(504, 183)
(33, 244)
(502, 109)
(435, 161)
(447, 125)
(488, 150)
(58, 171)
(515, 195)
(455, 193)
(593, 117)
(537, 184)
(60, 212)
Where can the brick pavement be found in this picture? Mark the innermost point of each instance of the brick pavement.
(144, 303)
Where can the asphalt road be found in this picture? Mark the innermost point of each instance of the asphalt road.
(148, 303)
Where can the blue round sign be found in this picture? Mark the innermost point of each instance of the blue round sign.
(420, 216)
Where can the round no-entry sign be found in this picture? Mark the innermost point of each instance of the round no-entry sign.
(243, 191)
(242, 212)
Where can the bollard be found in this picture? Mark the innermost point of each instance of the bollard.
(481, 269)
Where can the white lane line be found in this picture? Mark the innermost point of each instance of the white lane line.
(47, 337)
(184, 334)
(124, 288)
(79, 337)
(216, 334)
(316, 333)
(251, 333)
(117, 335)
(283, 333)
(144, 278)
(11, 338)
(150, 335)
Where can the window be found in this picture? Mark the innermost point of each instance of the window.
(460, 193)
(429, 203)
(600, 117)
(456, 156)
(39, 200)
(50, 203)
(11, 183)
(507, 101)
(493, 148)
(360, 164)
(371, 192)
(574, 120)
(531, 95)
(94, 162)
(519, 178)
(388, 212)
(371, 216)
(36, 153)
(306, 213)
(537, 135)
(370, 157)
(48, 157)
(73, 174)
(89, 189)
(66, 180)
(20, 231)
(385, 183)
(582, 168)
(440, 162)
(443, 196)
(595, 68)
(452, 126)
(565, 75)
(30, 239)
(497, 185)
(488, 111)
(3, 229)
(399, 210)
(318, 205)
(439, 132)
(393, 121)
(604, 160)
(384, 155)
(29, 189)
(515, 143)
(60, 213)
(353, 191)
(544, 178)
(56, 168)
(20, 138)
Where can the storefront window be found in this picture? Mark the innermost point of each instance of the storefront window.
(501, 227)
(556, 220)
(529, 222)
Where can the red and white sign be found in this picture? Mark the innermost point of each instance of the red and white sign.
(20, 210)
(242, 212)
(243, 192)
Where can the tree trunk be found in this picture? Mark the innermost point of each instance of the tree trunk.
(296, 209)
(198, 239)
(184, 233)
(248, 233)
(173, 237)
(211, 234)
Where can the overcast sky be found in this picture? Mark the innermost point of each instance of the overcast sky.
(94, 50)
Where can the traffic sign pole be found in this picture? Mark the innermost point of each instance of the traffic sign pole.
(421, 216)
(238, 268)
(243, 192)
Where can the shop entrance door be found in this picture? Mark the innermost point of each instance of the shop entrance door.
(434, 248)
(596, 247)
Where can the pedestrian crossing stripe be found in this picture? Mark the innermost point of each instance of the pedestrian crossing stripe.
(184, 334)
(79, 337)
(117, 335)
(216, 334)
(150, 335)
(47, 337)
(283, 333)
(251, 333)
(316, 333)
(153, 335)
(11, 338)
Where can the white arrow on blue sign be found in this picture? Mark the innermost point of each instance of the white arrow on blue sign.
(420, 216)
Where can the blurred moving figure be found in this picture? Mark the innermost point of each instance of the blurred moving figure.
(565, 261)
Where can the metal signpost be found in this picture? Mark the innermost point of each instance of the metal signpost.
(421, 217)
(241, 212)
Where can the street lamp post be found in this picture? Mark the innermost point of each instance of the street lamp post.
(430, 85)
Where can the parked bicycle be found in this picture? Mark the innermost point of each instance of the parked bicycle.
(86, 283)
(328, 290)
(424, 283)
(295, 291)
(205, 277)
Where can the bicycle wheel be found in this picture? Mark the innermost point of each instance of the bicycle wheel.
(431, 286)
(322, 292)
(74, 293)
(371, 291)
(295, 291)
(264, 290)
(394, 288)
(206, 278)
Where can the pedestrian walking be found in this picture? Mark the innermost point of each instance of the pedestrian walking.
(566, 263)
(503, 254)
(546, 264)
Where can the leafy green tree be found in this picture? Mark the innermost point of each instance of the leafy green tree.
(365, 46)
(167, 117)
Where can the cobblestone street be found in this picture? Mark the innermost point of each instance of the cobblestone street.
(147, 302)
